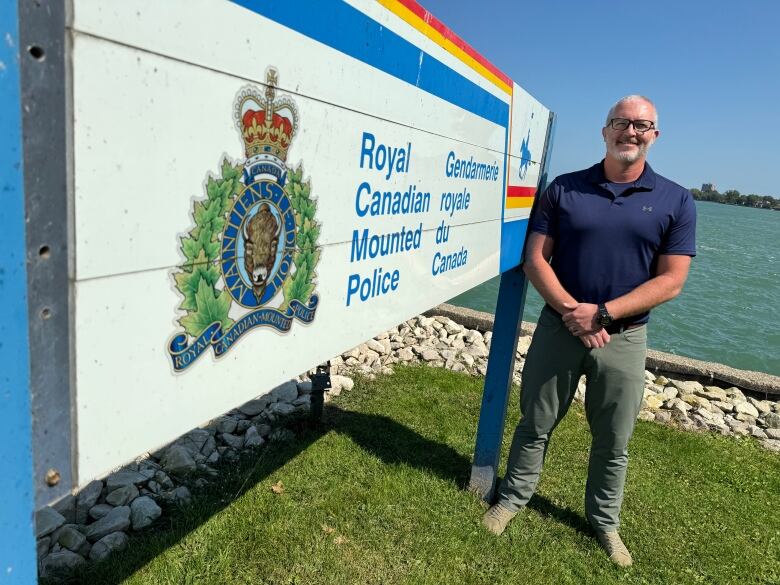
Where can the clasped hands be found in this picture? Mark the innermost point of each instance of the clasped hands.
(581, 322)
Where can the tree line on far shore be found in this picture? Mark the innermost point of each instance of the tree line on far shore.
(734, 197)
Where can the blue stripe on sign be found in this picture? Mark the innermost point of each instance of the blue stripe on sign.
(346, 29)
(503, 194)
(17, 540)
(512, 240)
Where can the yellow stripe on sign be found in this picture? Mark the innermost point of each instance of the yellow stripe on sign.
(518, 202)
(411, 18)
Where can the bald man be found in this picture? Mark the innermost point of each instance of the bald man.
(607, 244)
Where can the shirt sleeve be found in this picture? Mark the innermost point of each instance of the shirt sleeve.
(545, 216)
(680, 238)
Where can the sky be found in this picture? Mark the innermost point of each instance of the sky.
(712, 69)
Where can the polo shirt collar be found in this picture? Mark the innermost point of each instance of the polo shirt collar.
(646, 180)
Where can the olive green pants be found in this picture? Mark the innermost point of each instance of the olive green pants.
(615, 386)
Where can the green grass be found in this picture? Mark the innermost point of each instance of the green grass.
(377, 495)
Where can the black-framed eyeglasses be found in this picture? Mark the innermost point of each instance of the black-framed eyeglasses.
(640, 126)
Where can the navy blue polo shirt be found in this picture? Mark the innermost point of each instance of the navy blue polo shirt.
(608, 236)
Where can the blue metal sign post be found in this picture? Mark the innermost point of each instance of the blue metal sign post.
(17, 539)
(501, 362)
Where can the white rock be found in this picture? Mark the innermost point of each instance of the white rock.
(352, 353)
(670, 392)
(757, 432)
(762, 406)
(772, 433)
(523, 343)
(405, 354)
(746, 418)
(468, 359)
(675, 404)
(430, 355)
(772, 420)
(724, 406)
(452, 327)
(686, 387)
(746, 408)
(458, 342)
(477, 350)
(47, 520)
(771, 444)
(737, 427)
(646, 415)
(735, 394)
(649, 378)
(378, 346)
(339, 383)
(712, 393)
(110, 543)
(473, 336)
(116, 520)
(143, 512)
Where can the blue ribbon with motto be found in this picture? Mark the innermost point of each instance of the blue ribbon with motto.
(184, 355)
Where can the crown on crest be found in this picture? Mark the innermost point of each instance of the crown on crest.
(267, 125)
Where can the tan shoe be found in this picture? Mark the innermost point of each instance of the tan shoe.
(616, 550)
(496, 519)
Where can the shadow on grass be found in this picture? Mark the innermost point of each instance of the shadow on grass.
(565, 516)
(381, 436)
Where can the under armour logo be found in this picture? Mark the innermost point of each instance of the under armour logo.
(647, 209)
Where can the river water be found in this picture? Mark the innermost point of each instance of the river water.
(729, 311)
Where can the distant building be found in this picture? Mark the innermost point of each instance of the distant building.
(707, 187)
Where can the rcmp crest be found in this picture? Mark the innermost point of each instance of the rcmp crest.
(250, 260)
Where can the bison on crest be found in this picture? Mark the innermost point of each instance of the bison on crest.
(261, 242)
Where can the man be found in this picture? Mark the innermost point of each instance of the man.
(607, 244)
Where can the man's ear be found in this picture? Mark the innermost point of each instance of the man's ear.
(604, 133)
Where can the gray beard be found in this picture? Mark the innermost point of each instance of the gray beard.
(629, 157)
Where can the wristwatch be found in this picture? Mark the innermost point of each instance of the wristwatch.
(604, 318)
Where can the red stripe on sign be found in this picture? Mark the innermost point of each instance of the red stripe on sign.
(439, 26)
(512, 191)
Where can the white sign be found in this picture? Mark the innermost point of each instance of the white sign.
(260, 186)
